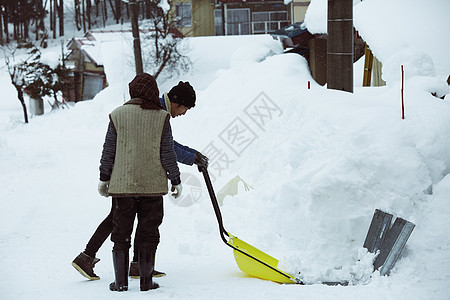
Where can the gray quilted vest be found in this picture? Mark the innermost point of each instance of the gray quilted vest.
(137, 167)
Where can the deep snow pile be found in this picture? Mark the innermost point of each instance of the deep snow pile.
(398, 32)
(319, 161)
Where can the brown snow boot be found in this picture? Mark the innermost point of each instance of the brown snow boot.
(84, 264)
(134, 271)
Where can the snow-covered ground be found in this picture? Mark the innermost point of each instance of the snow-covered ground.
(319, 162)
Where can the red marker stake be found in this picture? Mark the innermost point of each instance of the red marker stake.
(403, 104)
(309, 84)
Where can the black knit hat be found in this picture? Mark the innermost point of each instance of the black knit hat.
(183, 93)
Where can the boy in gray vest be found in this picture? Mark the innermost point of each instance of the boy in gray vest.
(179, 99)
(137, 159)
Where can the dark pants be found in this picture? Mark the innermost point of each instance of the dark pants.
(106, 227)
(150, 214)
(100, 235)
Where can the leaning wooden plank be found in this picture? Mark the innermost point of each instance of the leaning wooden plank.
(381, 222)
(393, 245)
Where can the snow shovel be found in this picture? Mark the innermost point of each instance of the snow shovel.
(249, 259)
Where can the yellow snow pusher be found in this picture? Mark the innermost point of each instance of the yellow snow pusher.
(249, 259)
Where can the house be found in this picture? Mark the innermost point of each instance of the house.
(85, 60)
(86, 63)
(387, 39)
(296, 38)
(87, 73)
(190, 18)
(235, 17)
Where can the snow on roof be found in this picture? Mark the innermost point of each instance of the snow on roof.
(409, 32)
(94, 40)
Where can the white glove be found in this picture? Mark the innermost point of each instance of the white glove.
(178, 188)
(103, 187)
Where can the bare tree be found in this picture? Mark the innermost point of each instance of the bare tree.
(17, 73)
(34, 77)
(163, 46)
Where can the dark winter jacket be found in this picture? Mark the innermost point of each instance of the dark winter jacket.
(185, 155)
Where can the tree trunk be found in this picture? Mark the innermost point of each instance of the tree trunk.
(97, 4)
(42, 20)
(2, 42)
(16, 31)
(37, 7)
(114, 12)
(55, 9)
(5, 23)
(84, 15)
(77, 14)
(105, 13)
(51, 15)
(88, 13)
(136, 39)
(26, 24)
(119, 11)
(61, 17)
(127, 9)
(22, 101)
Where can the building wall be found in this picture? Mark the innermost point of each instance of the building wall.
(187, 31)
(203, 17)
(299, 10)
(88, 78)
(88, 66)
(257, 18)
(318, 58)
(202, 14)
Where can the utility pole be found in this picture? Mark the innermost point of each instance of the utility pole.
(136, 39)
(340, 45)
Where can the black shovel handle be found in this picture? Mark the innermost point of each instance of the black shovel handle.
(222, 230)
(215, 205)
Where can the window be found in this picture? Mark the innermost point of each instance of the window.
(183, 14)
(259, 22)
(218, 26)
(238, 21)
(265, 22)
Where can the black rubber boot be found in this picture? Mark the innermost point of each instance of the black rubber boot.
(120, 261)
(146, 267)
